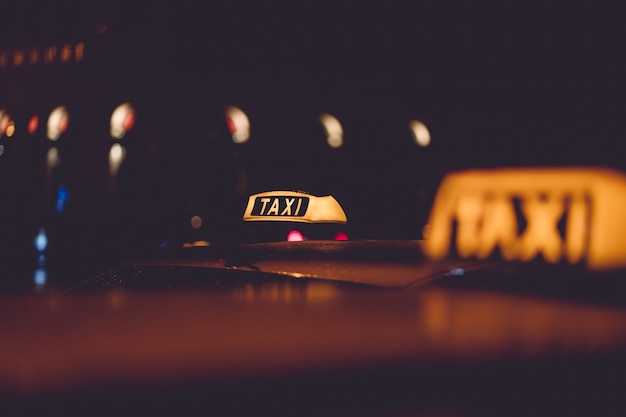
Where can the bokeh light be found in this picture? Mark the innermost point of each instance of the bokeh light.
(334, 130)
(52, 158)
(41, 240)
(238, 124)
(33, 124)
(62, 197)
(295, 236)
(10, 130)
(420, 132)
(116, 157)
(196, 222)
(122, 120)
(58, 121)
(40, 276)
(4, 121)
(341, 236)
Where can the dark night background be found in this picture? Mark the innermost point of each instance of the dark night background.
(496, 84)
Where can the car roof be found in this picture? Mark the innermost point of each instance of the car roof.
(378, 263)
(95, 349)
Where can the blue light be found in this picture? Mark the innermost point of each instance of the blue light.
(62, 196)
(41, 240)
(40, 277)
(457, 272)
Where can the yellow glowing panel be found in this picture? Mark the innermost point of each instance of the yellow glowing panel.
(293, 207)
(569, 214)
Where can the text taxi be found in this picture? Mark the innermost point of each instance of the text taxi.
(572, 215)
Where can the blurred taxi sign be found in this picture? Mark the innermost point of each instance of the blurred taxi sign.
(293, 206)
(574, 215)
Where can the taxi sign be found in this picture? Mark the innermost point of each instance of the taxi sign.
(293, 206)
(575, 215)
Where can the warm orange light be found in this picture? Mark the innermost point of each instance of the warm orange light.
(196, 244)
(10, 130)
(66, 53)
(79, 52)
(482, 204)
(18, 58)
(50, 54)
(34, 56)
(334, 130)
(196, 222)
(4, 121)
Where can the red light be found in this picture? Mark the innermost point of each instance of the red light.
(295, 236)
(63, 123)
(33, 124)
(231, 125)
(341, 236)
(129, 120)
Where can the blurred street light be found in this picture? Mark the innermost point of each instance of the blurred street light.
(420, 132)
(238, 124)
(58, 122)
(334, 130)
(122, 120)
(116, 157)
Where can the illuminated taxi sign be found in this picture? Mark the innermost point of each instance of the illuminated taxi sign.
(293, 206)
(559, 214)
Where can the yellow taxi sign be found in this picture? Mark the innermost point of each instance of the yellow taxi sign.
(559, 214)
(293, 206)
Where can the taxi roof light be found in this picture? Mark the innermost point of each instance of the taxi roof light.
(293, 206)
(573, 215)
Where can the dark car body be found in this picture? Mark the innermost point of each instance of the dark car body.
(314, 328)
